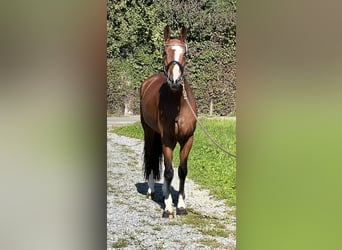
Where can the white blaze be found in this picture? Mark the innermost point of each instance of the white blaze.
(176, 69)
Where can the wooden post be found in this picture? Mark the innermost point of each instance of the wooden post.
(211, 107)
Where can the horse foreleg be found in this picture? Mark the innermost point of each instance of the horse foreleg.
(150, 191)
(168, 176)
(182, 173)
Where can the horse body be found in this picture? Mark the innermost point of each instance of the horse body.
(167, 120)
(168, 113)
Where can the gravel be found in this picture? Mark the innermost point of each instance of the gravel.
(133, 222)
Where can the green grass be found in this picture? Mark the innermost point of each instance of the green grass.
(113, 115)
(207, 225)
(157, 228)
(133, 130)
(120, 243)
(207, 165)
(210, 243)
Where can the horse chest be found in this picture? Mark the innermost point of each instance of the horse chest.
(182, 127)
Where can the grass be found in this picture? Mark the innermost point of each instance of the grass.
(120, 243)
(208, 166)
(207, 225)
(111, 188)
(113, 115)
(157, 228)
(133, 130)
(210, 243)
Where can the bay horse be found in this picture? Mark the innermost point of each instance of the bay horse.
(167, 120)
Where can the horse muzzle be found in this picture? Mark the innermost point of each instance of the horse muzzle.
(175, 85)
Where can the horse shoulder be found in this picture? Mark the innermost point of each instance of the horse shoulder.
(185, 125)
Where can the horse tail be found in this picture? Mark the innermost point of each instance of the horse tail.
(152, 155)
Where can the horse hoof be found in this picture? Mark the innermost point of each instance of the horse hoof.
(167, 214)
(181, 211)
(150, 196)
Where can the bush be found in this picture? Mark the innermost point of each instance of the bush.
(135, 40)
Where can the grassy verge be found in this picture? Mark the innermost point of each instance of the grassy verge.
(208, 165)
(133, 130)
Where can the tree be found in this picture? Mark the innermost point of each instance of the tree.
(135, 41)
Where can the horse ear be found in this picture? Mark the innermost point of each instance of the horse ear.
(167, 33)
(182, 35)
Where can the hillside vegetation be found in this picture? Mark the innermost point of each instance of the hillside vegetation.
(135, 43)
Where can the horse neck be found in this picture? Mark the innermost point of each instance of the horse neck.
(178, 97)
(187, 88)
(186, 84)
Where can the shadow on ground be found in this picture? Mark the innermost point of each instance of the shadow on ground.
(142, 188)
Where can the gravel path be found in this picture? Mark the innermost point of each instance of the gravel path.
(133, 222)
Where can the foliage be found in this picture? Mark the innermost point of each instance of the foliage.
(207, 165)
(135, 39)
(119, 82)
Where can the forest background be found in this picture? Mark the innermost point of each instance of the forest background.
(135, 42)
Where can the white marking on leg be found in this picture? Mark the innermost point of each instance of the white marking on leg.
(150, 183)
(168, 204)
(181, 203)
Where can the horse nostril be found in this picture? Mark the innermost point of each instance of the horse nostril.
(174, 83)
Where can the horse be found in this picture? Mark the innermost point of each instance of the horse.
(167, 119)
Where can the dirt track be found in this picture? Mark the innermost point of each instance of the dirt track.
(135, 223)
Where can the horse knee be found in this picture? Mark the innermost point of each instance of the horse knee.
(168, 174)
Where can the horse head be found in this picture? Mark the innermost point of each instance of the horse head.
(175, 50)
